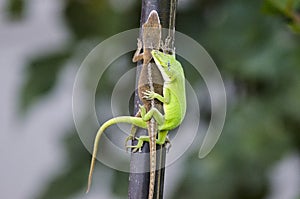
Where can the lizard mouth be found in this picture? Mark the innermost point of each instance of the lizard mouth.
(157, 57)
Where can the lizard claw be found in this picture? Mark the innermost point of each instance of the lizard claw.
(148, 95)
(137, 147)
(130, 137)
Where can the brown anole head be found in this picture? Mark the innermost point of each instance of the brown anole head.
(152, 31)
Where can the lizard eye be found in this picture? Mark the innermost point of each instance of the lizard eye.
(169, 65)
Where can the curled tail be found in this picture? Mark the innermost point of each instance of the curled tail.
(122, 119)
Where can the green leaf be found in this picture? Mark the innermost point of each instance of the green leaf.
(41, 76)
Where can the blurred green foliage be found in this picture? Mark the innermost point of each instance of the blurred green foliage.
(41, 75)
(288, 9)
(259, 58)
(15, 8)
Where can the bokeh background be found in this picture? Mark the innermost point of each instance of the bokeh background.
(256, 46)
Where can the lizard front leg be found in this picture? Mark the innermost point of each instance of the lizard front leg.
(138, 55)
(149, 95)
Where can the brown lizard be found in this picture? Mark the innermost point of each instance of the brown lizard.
(151, 40)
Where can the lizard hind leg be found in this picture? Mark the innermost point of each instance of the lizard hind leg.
(140, 144)
(133, 130)
(131, 136)
(162, 137)
(153, 112)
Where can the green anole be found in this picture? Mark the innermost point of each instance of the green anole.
(174, 105)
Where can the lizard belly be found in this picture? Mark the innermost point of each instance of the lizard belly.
(173, 116)
(170, 124)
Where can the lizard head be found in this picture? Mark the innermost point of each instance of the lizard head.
(167, 64)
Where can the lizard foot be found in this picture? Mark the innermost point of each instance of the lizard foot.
(137, 147)
(130, 137)
(148, 95)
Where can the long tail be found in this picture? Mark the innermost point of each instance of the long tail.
(122, 119)
(152, 129)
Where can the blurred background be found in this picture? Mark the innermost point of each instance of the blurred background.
(256, 46)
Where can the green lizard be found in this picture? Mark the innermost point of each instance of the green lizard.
(173, 99)
(174, 106)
